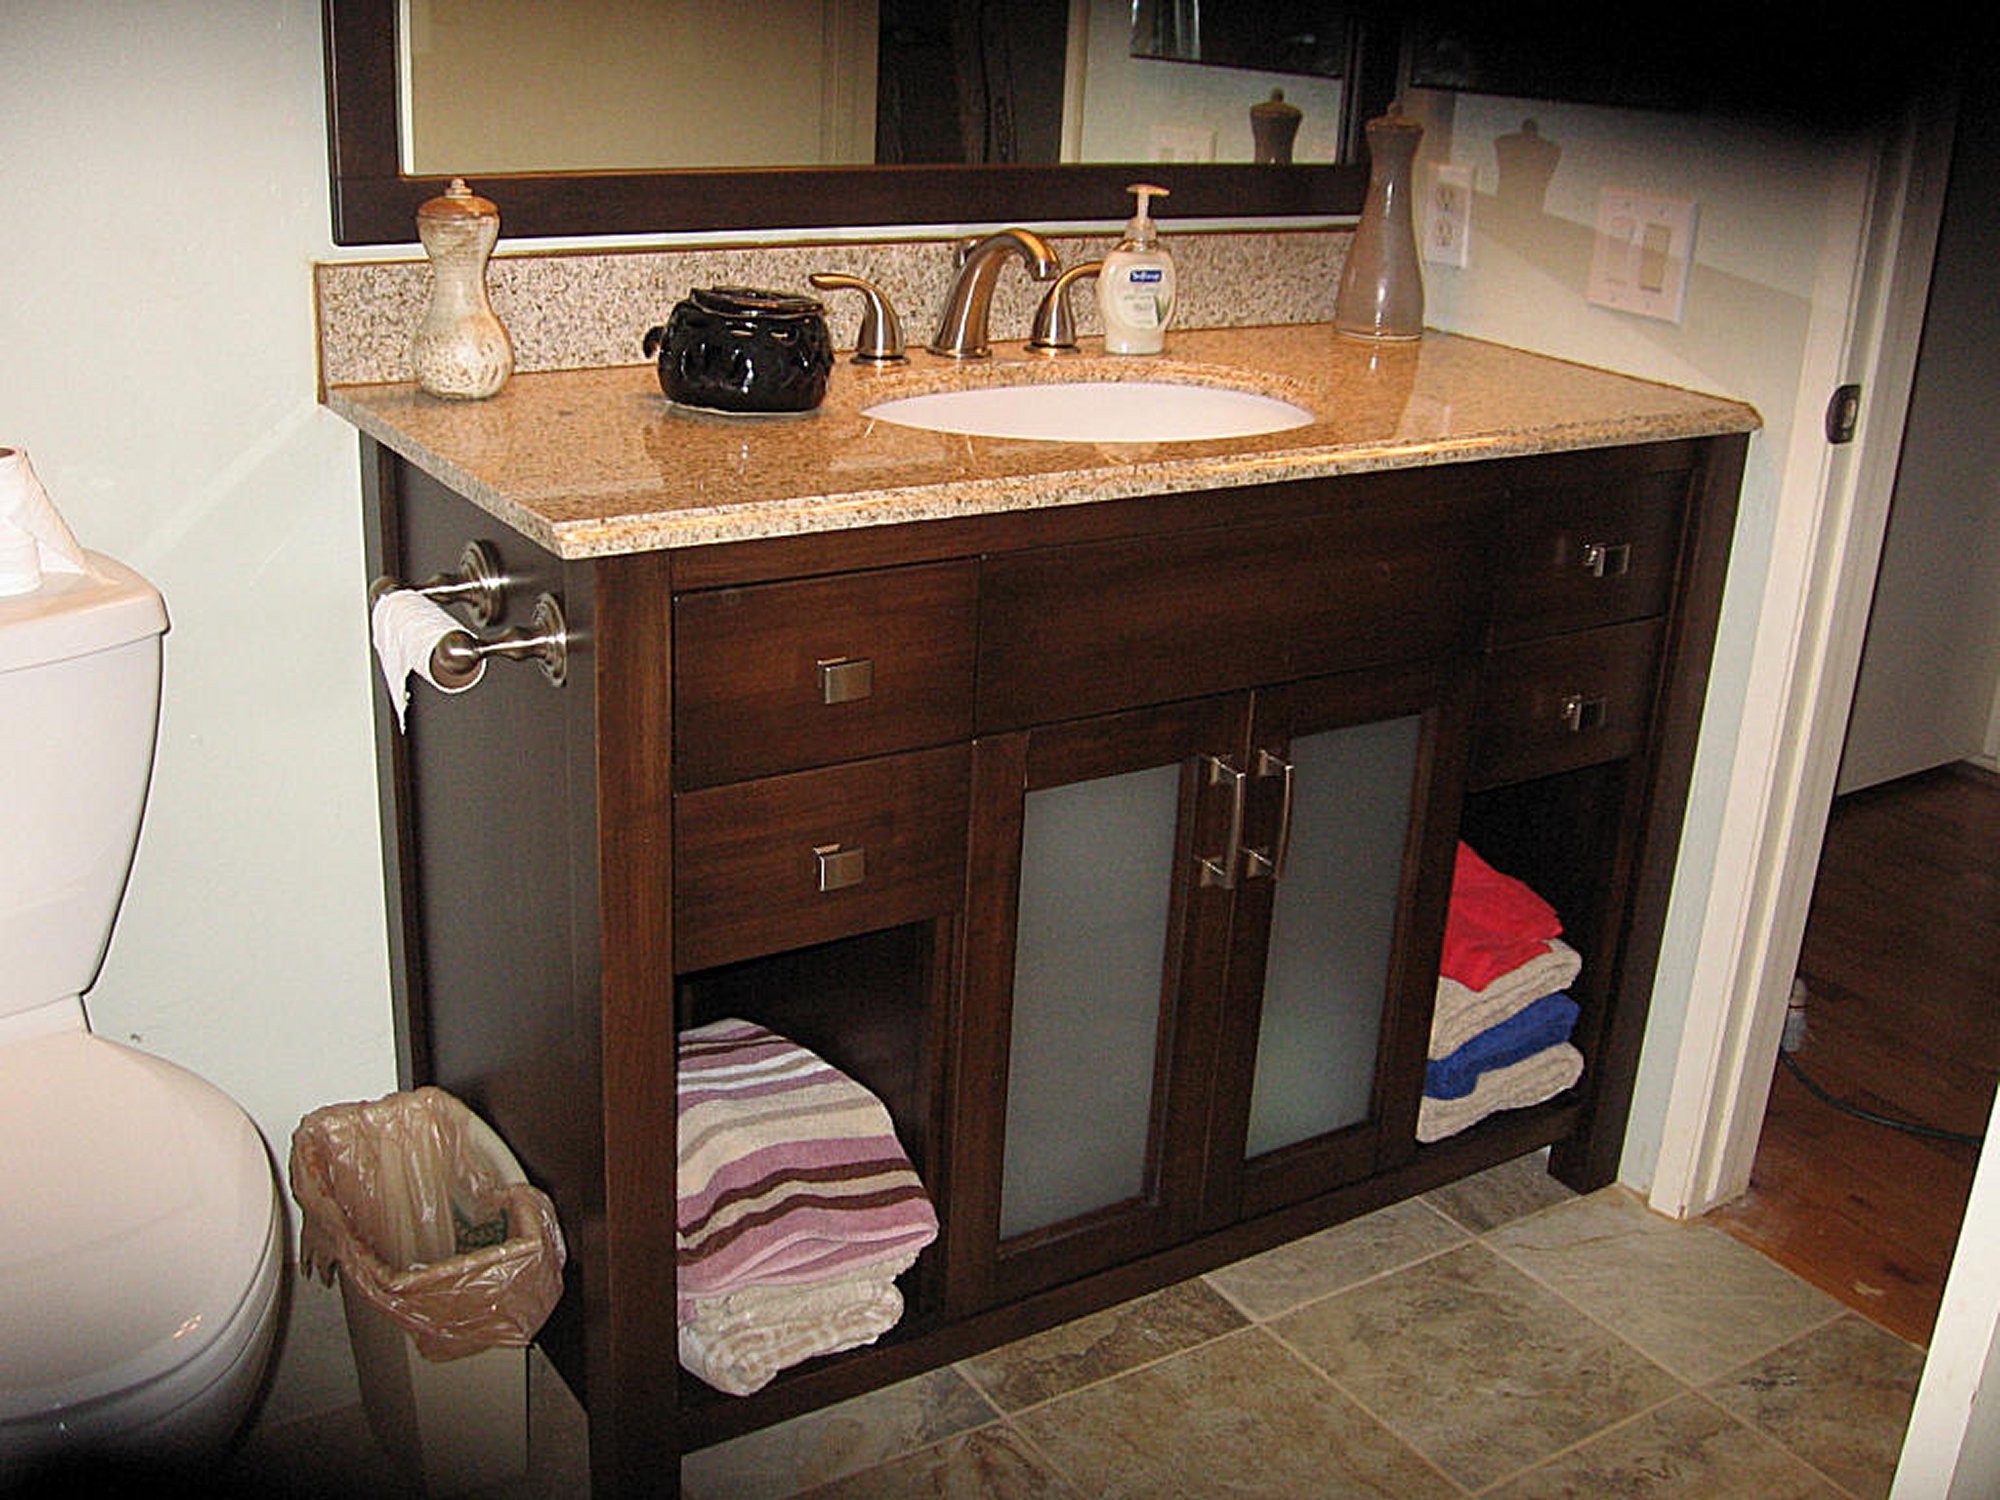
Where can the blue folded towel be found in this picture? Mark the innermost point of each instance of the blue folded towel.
(1528, 1031)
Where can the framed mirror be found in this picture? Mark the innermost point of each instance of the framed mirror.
(375, 198)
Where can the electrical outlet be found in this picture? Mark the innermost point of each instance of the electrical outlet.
(1448, 225)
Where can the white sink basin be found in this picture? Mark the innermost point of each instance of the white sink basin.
(1095, 412)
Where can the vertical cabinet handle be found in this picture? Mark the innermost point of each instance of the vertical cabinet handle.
(1222, 872)
(1580, 713)
(1271, 862)
(1607, 559)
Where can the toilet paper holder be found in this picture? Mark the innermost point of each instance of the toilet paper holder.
(480, 588)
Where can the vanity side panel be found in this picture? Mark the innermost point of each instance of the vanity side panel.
(1589, 1157)
(383, 551)
(635, 1426)
(493, 885)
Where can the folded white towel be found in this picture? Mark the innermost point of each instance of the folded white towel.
(738, 1341)
(1529, 1081)
(1462, 1013)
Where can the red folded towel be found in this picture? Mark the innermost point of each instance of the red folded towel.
(1493, 925)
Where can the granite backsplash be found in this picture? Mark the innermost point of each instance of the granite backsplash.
(571, 310)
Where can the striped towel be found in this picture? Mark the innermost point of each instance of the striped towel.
(790, 1172)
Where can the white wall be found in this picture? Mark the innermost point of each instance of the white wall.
(1777, 207)
(164, 189)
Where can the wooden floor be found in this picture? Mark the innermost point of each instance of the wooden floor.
(1902, 968)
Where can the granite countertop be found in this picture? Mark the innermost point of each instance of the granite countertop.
(594, 463)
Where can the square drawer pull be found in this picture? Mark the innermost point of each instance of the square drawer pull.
(846, 679)
(840, 868)
(1580, 713)
(1607, 559)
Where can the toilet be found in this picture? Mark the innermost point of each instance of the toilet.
(141, 1234)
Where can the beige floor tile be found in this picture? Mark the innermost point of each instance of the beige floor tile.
(1240, 1417)
(1688, 1295)
(1501, 1194)
(836, 1441)
(991, 1463)
(1474, 1364)
(1839, 1397)
(1268, 1285)
(1045, 1365)
(1685, 1450)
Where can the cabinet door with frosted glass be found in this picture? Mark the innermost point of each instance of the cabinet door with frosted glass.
(1097, 935)
(1354, 788)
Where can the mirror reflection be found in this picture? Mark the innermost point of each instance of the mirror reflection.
(492, 86)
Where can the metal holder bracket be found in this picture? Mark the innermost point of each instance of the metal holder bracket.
(479, 587)
(544, 641)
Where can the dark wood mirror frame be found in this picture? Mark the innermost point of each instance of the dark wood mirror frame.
(374, 203)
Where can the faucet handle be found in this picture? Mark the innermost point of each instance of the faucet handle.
(881, 338)
(1054, 330)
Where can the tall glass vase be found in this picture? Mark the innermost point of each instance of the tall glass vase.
(1381, 286)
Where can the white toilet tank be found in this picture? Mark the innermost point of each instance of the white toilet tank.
(79, 708)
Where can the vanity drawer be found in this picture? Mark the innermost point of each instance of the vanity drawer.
(787, 861)
(1588, 556)
(1066, 632)
(1573, 700)
(781, 676)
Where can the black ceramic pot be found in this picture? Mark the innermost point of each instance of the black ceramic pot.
(733, 348)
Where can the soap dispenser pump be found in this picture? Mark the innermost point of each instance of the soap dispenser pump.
(1135, 289)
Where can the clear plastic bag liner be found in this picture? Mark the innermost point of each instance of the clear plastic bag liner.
(427, 1216)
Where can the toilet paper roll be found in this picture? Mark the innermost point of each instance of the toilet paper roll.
(34, 539)
(407, 628)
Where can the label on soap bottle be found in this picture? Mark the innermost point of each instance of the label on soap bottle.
(1141, 297)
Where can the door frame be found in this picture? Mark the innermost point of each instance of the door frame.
(1832, 513)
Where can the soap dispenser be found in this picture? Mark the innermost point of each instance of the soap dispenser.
(1135, 289)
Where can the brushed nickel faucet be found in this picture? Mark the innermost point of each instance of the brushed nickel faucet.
(961, 331)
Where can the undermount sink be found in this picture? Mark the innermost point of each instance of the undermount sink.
(1095, 412)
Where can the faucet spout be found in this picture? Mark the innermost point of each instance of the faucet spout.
(962, 324)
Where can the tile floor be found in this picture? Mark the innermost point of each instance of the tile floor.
(1501, 1338)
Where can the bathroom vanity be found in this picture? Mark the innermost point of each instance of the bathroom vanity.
(1094, 806)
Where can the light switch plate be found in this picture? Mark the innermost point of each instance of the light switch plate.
(1183, 143)
(1643, 253)
(1448, 224)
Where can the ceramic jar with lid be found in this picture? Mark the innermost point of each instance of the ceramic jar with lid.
(739, 349)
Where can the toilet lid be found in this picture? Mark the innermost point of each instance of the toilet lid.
(138, 1207)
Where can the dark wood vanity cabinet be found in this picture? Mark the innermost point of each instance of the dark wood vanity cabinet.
(1110, 844)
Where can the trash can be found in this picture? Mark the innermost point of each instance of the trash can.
(449, 1262)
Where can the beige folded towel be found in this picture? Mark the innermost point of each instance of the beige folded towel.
(1529, 1081)
(1461, 1013)
(738, 1341)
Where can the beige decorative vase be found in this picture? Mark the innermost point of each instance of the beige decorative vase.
(1382, 287)
(461, 350)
